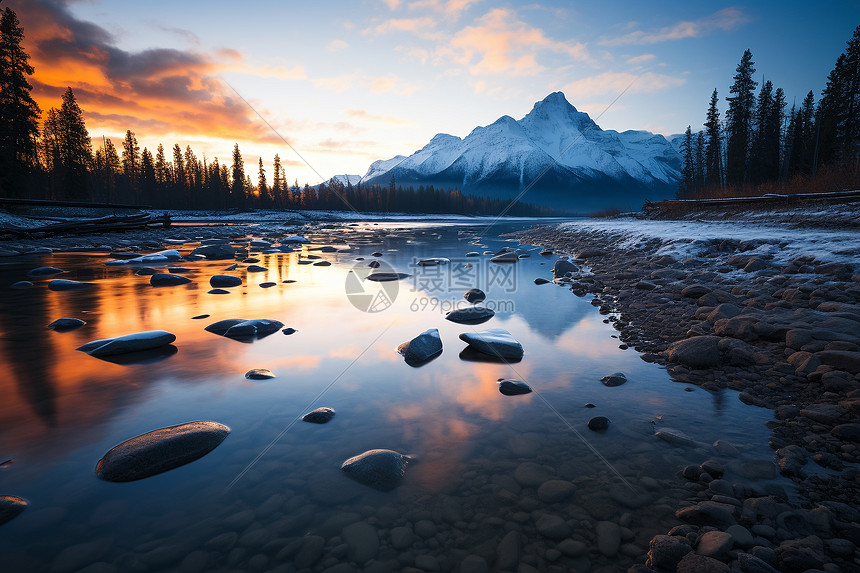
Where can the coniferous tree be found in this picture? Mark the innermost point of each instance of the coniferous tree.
(760, 134)
(147, 178)
(179, 177)
(277, 182)
(714, 150)
(699, 179)
(162, 169)
(75, 147)
(688, 172)
(19, 113)
(739, 120)
(130, 156)
(838, 115)
(238, 170)
(262, 188)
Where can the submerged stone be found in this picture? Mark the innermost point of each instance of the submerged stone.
(164, 279)
(433, 262)
(65, 284)
(563, 267)
(66, 324)
(289, 331)
(511, 257)
(422, 348)
(44, 271)
(598, 423)
(256, 269)
(215, 252)
(221, 281)
(541, 281)
(380, 469)
(616, 379)
(494, 342)
(146, 271)
(513, 387)
(10, 507)
(129, 343)
(20, 285)
(319, 416)
(267, 285)
(160, 450)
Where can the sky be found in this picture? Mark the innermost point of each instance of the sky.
(332, 86)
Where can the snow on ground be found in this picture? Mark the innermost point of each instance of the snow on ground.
(684, 239)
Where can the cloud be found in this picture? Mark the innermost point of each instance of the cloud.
(416, 26)
(340, 83)
(612, 83)
(379, 85)
(726, 20)
(392, 4)
(502, 44)
(636, 60)
(278, 72)
(336, 45)
(451, 8)
(158, 90)
(390, 120)
(392, 84)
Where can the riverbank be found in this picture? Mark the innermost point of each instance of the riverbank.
(771, 312)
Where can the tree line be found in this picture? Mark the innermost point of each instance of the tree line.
(758, 146)
(56, 161)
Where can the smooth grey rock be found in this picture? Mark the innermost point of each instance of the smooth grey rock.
(422, 348)
(696, 352)
(494, 342)
(715, 544)
(164, 279)
(66, 324)
(218, 291)
(675, 437)
(267, 285)
(379, 469)
(666, 552)
(752, 564)
(160, 450)
(215, 252)
(530, 474)
(511, 257)
(555, 490)
(552, 527)
(401, 538)
(708, 513)
(616, 379)
(319, 416)
(362, 541)
(221, 281)
(474, 295)
(472, 315)
(65, 284)
(563, 267)
(241, 328)
(433, 262)
(508, 552)
(598, 423)
(44, 271)
(256, 269)
(474, 564)
(138, 341)
(741, 536)
(21, 285)
(259, 374)
(513, 387)
(695, 563)
(541, 281)
(10, 507)
(382, 277)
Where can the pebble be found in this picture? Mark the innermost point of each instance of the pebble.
(10, 507)
(319, 416)
(598, 423)
(362, 541)
(259, 374)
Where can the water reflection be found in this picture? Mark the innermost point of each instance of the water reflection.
(63, 409)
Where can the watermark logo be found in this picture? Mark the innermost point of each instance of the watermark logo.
(460, 275)
(367, 294)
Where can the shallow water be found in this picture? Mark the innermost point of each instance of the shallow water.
(272, 494)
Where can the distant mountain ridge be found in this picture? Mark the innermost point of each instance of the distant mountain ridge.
(586, 168)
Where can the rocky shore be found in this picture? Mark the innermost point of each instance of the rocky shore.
(786, 336)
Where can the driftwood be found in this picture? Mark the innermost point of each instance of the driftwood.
(86, 226)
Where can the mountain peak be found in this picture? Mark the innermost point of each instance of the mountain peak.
(554, 99)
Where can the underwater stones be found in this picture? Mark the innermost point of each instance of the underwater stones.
(615, 379)
(160, 450)
(675, 437)
(474, 295)
(503, 258)
(21, 285)
(598, 423)
(10, 507)
(164, 279)
(319, 416)
(494, 342)
(555, 490)
(433, 262)
(552, 527)
(217, 291)
(44, 271)
(422, 348)
(146, 271)
(295, 239)
(472, 315)
(259, 374)
(135, 342)
(513, 387)
(696, 352)
(380, 469)
(386, 276)
(215, 252)
(65, 284)
(178, 270)
(240, 328)
(66, 324)
(221, 281)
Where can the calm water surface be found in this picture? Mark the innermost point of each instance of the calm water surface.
(272, 495)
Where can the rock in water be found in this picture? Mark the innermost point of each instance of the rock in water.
(239, 328)
(434, 262)
(494, 342)
(44, 271)
(66, 324)
(160, 450)
(256, 269)
(541, 281)
(20, 285)
(422, 348)
(215, 252)
(513, 387)
(319, 416)
(10, 507)
(385, 277)
(616, 379)
(65, 284)
(164, 279)
(220, 281)
(129, 343)
(598, 423)
(259, 374)
(475, 295)
(473, 315)
(505, 258)
(379, 469)
(563, 267)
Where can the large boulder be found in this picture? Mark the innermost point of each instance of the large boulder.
(129, 343)
(696, 352)
(494, 342)
(471, 315)
(10, 507)
(241, 329)
(379, 469)
(563, 267)
(215, 252)
(160, 450)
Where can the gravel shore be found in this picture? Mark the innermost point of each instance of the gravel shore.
(786, 336)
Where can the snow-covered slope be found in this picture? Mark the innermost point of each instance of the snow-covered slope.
(557, 152)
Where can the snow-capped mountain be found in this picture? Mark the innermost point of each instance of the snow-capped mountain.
(559, 153)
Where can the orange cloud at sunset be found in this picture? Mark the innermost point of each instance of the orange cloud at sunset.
(154, 92)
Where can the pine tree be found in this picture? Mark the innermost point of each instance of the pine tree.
(147, 178)
(714, 151)
(130, 156)
(179, 177)
(837, 117)
(238, 171)
(277, 182)
(162, 169)
(699, 179)
(739, 121)
(19, 113)
(760, 134)
(262, 188)
(688, 172)
(75, 146)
